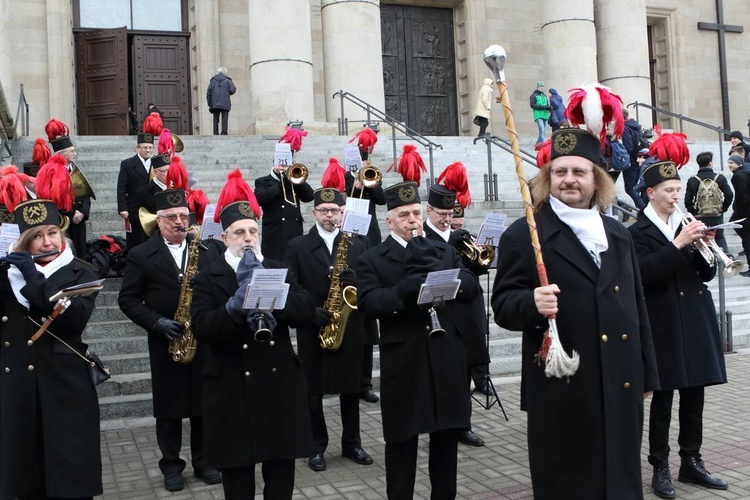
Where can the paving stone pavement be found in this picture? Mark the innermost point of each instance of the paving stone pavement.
(497, 471)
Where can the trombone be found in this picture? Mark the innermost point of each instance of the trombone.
(369, 176)
(710, 249)
(297, 174)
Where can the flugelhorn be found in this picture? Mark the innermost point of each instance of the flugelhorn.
(147, 220)
(711, 250)
(481, 254)
(81, 186)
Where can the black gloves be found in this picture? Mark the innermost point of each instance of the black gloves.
(169, 328)
(24, 263)
(408, 289)
(348, 276)
(322, 317)
(458, 237)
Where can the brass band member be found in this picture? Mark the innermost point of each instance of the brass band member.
(683, 318)
(49, 412)
(423, 379)
(150, 296)
(313, 259)
(255, 396)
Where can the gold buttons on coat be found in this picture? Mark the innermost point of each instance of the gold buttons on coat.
(624, 336)
(626, 385)
(605, 338)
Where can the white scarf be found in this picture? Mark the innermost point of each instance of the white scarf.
(586, 224)
(146, 163)
(160, 184)
(669, 228)
(234, 261)
(443, 234)
(327, 237)
(17, 281)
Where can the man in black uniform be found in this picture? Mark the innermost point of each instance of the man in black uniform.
(473, 317)
(146, 194)
(150, 296)
(282, 218)
(134, 174)
(255, 396)
(313, 259)
(423, 378)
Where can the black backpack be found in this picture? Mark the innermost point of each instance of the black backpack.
(107, 255)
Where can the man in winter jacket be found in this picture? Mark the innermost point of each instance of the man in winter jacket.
(220, 88)
(632, 137)
(540, 104)
(557, 113)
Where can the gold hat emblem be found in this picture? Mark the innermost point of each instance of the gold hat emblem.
(174, 199)
(565, 143)
(7, 217)
(457, 209)
(406, 194)
(327, 195)
(244, 209)
(34, 214)
(667, 170)
(449, 200)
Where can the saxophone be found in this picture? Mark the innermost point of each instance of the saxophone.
(339, 302)
(183, 348)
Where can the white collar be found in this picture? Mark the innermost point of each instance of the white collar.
(234, 261)
(669, 228)
(327, 237)
(443, 234)
(273, 174)
(17, 281)
(146, 163)
(399, 239)
(586, 224)
(160, 184)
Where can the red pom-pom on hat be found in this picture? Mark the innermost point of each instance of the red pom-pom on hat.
(55, 128)
(593, 107)
(544, 153)
(41, 153)
(410, 164)
(670, 146)
(53, 183)
(13, 187)
(177, 175)
(455, 178)
(153, 125)
(166, 143)
(236, 189)
(294, 137)
(197, 202)
(333, 177)
(367, 139)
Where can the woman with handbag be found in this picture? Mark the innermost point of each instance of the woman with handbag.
(49, 411)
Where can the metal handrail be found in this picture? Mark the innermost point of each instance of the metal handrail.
(382, 116)
(682, 118)
(10, 130)
(490, 179)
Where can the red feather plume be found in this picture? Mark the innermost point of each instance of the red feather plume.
(12, 187)
(177, 175)
(56, 128)
(153, 124)
(367, 139)
(53, 183)
(544, 153)
(236, 189)
(333, 177)
(670, 146)
(409, 164)
(41, 153)
(197, 202)
(593, 107)
(165, 144)
(294, 137)
(455, 178)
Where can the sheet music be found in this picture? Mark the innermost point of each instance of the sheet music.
(268, 276)
(445, 276)
(489, 234)
(357, 205)
(210, 229)
(268, 297)
(9, 233)
(282, 156)
(356, 222)
(735, 224)
(352, 159)
(438, 291)
(81, 289)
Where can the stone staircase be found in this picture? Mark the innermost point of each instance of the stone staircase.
(126, 397)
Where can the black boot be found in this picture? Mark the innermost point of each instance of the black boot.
(693, 471)
(662, 483)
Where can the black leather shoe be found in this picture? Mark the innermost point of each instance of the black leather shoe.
(662, 483)
(693, 471)
(746, 274)
(469, 438)
(208, 475)
(174, 483)
(369, 396)
(484, 389)
(358, 455)
(317, 462)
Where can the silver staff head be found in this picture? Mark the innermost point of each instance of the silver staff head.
(494, 57)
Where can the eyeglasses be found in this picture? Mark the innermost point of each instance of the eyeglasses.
(327, 210)
(442, 214)
(576, 171)
(172, 218)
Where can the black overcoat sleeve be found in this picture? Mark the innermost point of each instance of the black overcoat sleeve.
(133, 289)
(267, 190)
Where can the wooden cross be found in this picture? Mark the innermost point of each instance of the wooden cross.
(721, 29)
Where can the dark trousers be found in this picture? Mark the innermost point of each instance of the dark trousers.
(366, 375)
(401, 466)
(136, 236)
(350, 438)
(278, 479)
(169, 438)
(224, 113)
(478, 373)
(630, 177)
(690, 436)
(745, 236)
(77, 234)
(482, 122)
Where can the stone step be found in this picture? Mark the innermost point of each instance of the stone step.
(119, 345)
(130, 406)
(126, 385)
(118, 328)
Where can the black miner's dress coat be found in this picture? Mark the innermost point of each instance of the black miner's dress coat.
(376, 197)
(584, 432)
(151, 290)
(423, 380)
(282, 221)
(145, 195)
(472, 321)
(51, 409)
(328, 372)
(683, 318)
(255, 399)
(132, 176)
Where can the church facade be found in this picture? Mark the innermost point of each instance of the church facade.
(90, 62)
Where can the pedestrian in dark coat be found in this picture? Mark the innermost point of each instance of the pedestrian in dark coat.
(423, 379)
(705, 162)
(584, 431)
(150, 296)
(218, 96)
(255, 402)
(683, 318)
(741, 206)
(133, 175)
(557, 109)
(313, 258)
(49, 412)
(282, 218)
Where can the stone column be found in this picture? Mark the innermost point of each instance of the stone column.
(622, 41)
(281, 71)
(352, 55)
(205, 59)
(61, 63)
(569, 41)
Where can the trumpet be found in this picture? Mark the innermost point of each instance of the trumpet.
(481, 254)
(711, 250)
(297, 174)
